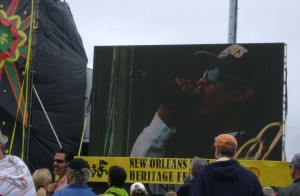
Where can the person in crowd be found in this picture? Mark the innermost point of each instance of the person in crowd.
(171, 193)
(41, 178)
(116, 179)
(15, 177)
(196, 164)
(220, 98)
(293, 189)
(275, 189)
(61, 158)
(225, 176)
(78, 174)
(268, 191)
(187, 179)
(138, 188)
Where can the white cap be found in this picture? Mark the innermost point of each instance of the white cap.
(268, 191)
(137, 185)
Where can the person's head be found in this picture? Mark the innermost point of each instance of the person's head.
(61, 159)
(295, 166)
(225, 146)
(188, 179)
(78, 171)
(226, 83)
(3, 140)
(196, 164)
(116, 176)
(268, 191)
(138, 188)
(41, 179)
(171, 193)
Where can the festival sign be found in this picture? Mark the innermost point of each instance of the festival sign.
(174, 170)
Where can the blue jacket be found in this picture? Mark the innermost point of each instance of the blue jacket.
(226, 178)
(75, 189)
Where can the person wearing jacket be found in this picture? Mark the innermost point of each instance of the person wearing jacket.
(15, 177)
(225, 176)
(196, 164)
(293, 189)
(78, 174)
(116, 179)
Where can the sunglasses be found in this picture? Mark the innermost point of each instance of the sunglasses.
(58, 161)
(212, 75)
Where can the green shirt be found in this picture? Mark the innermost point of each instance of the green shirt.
(115, 191)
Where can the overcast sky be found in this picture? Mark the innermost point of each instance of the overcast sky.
(141, 22)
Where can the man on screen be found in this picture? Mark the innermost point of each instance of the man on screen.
(221, 98)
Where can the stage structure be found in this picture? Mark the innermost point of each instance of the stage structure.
(42, 79)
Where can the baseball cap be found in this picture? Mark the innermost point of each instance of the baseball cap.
(235, 59)
(3, 139)
(137, 185)
(296, 161)
(78, 164)
(226, 140)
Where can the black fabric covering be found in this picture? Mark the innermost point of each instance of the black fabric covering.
(60, 81)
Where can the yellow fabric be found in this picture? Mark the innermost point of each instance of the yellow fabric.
(173, 170)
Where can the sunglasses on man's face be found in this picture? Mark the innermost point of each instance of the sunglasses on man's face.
(212, 75)
(58, 161)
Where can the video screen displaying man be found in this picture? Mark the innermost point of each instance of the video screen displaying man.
(182, 96)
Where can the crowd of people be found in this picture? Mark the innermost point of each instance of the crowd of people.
(225, 176)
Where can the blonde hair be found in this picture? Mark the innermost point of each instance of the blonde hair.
(41, 179)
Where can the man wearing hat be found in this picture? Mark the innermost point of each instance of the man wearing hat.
(78, 174)
(219, 99)
(293, 189)
(268, 191)
(138, 188)
(15, 177)
(225, 176)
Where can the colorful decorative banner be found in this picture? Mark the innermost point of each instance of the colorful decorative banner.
(16, 26)
(173, 171)
(16, 19)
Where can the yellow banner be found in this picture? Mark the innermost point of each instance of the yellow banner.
(173, 170)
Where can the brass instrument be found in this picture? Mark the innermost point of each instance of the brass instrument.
(252, 143)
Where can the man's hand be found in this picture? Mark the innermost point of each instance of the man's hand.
(51, 188)
(186, 85)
